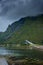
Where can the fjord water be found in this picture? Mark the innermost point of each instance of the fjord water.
(30, 53)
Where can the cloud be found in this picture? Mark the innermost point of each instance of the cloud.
(17, 8)
(12, 10)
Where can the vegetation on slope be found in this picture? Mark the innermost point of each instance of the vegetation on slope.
(32, 30)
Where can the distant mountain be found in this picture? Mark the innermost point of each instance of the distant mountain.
(27, 28)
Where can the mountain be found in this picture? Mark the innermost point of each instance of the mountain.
(11, 28)
(27, 28)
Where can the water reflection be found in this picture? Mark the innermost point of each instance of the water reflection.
(26, 53)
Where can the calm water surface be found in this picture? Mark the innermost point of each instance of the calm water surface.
(21, 53)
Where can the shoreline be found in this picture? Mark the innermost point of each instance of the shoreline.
(23, 61)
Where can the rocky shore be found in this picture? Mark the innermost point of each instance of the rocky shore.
(9, 60)
(24, 61)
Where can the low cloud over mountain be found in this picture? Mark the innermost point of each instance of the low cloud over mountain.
(11, 10)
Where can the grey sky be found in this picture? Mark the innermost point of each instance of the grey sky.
(11, 10)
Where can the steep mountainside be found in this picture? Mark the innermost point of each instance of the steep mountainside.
(31, 29)
(11, 28)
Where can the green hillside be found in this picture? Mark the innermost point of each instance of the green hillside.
(31, 30)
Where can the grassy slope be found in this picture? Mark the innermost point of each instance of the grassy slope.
(31, 30)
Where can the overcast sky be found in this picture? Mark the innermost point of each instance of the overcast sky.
(11, 10)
